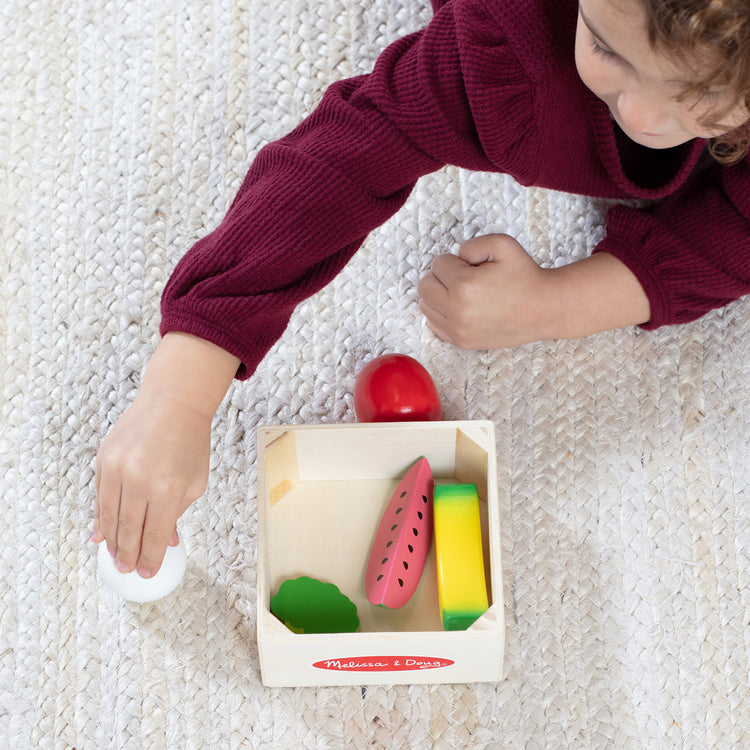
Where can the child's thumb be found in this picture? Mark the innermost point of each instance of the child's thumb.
(485, 249)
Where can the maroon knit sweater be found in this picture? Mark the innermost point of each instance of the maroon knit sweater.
(489, 85)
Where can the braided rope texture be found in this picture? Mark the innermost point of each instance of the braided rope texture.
(126, 126)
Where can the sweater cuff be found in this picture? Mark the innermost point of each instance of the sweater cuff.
(660, 310)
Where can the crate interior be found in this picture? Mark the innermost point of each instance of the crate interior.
(326, 490)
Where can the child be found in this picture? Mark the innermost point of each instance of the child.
(624, 99)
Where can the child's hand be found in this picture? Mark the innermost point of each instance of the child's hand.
(150, 468)
(491, 295)
(154, 463)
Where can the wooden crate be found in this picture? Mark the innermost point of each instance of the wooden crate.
(322, 491)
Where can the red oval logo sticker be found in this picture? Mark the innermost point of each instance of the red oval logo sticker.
(382, 663)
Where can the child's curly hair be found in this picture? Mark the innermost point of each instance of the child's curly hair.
(718, 31)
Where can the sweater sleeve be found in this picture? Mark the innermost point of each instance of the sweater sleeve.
(309, 199)
(691, 250)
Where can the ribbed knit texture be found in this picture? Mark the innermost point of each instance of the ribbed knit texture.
(623, 459)
(488, 86)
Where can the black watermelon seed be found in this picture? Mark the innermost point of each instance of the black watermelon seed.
(400, 583)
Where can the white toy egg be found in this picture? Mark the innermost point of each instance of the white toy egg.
(133, 588)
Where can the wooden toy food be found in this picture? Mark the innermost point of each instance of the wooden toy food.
(462, 592)
(402, 541)
(396, 388)
(133, 588)
(307, 605)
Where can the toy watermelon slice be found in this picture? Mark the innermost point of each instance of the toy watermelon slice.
(402, 541)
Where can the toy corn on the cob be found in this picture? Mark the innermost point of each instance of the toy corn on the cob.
(462, 591)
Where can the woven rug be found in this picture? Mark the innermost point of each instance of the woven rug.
(623, 458)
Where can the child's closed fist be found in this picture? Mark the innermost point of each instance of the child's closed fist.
(491, 295)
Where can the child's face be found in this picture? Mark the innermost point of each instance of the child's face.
(641, 88)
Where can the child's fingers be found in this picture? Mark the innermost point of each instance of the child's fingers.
(97, 535)
(434, 287)
(432, 295)
(435, 299)
(433, 323)
(447, 268)
(487, 248)
(132, 512)
(158, 533)
(107, 508)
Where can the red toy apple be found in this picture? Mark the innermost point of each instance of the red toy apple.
(395, 388)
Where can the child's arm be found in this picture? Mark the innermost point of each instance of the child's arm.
(309, 199)
(494, 295)
(154, 463)
(305, 206)
(690, 250)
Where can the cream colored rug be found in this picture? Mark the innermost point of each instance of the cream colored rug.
(126, 126)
